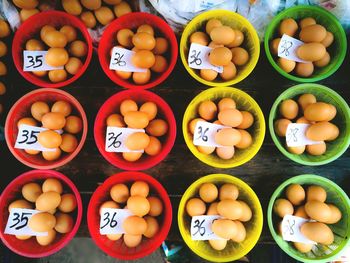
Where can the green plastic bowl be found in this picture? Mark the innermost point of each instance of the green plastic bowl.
(334, 148)
(337, 50)
(341, 230)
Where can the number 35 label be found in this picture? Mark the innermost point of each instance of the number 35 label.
(198, 58)
(112, 220)
(35, 61)
(17, 223)
(115, 138)
(204, 133)
(201, 227)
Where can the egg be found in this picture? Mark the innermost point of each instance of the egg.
(40, 73)
(247, 121)
(303, 247)
(161, 46)
(274, 46)
(78, 48)
(228, 191)
(26, 121)
(52, 155)
(73, 65)
(21, 203)
(124, 37)
(72, 7)
(328, 40)
(240, 56)
(283, 207)
(137, 141)
(143, 58)
(119, 193)
(205, 149)
(318, 232)
(34, 45)
(316, 193)
(115, 120)
(212, 210)
(91, 4)
(62, 107)
(42, 222)
(157, 127)
(138, 205)
(225, 153)
(122, 8)
(322, 131)
(219, 244)
(70, 32)
(143, 40)
(32, 152)
(239, 38)
(336, 215)
(230, 117)
(114, 237)
(3, 49)
(55, 39)
(46, 240)
(246, 212)
(156, 206)
(306, 99)
(304, 69)
(222, 35)
(303, 120)
(307, 21)
(24, 14)
(318, 211)
(57, 75)
(281, 126)
(288, 26)
(312, 33)
(213, 45)
(134, 225)
(22, 237)
(229, 71)
(141, 78)
(53, 120)
(104, 15)
(131, 156)
(127, 106)
(152, 227)
(323, 61)
(208, 74)
(208, 192)
(150, 108)
(296, 149)
(48, 201)
(4, 29)
(139, 188)
(226, 103)
(123, 74)
(49, 139)
(31, 191)
(211, 24)
(154, 147)
(26, 4)
(160, 65)
(192, 124)
(311, 51)
(199, 38)
(207, 110)
(3, 69)
(108, 204)
(68, 203)
(136, 119)
(64, 223)
(289, 109)
(88, 19)
(74, 124)
(227, 137)
(286, 64)
(230, 209)
(300, 212)
(195, 207)
(56, 57)
(224, 228)
(316, 149)
(246, 140)
(132, 240)
(145, 28)
(220, 56)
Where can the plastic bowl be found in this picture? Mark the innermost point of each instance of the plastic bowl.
(244, 102)
(233, 251)
(234, 20)
(21, 109)
(337, 50)
(31, 27)
(334, 148)
(112, 106)
(118, 249)
(30, 248)
(341, 230)
(132, 21)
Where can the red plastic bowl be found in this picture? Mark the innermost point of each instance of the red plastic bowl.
(30, 248)
(21, 109)
(112, 106)
(118, 249)
(132, 21)
(31, 27)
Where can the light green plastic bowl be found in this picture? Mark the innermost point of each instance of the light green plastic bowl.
(337, 50)
(334, 148)
(341, 230)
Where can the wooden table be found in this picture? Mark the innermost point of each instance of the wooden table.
(263, 173)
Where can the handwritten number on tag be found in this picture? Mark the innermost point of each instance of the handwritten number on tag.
(35, 61)
(29, 139)
(112, 222)
(199, 227)
(286, 45)
(19, 218)
(202, 134)
(114, 138)
(119, 60)
(195, 57)
(292, 136)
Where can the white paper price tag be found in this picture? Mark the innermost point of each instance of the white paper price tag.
(112, 219)
(296, 135)
(198, 58)
(204, 133)
(35, 61)
(17, 223)
(288, 48)
(115, 138)
(27, 138)
(201, 227)
(121, 60)
(291, 229)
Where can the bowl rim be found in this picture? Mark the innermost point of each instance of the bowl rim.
(298, 8)
(260, 138)
(217, 177)
(276, 194)
(274, 137)
(76, 105)
(205, 16)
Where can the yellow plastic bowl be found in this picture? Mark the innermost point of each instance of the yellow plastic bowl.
(244, 102)
(234, 20)
(233, 251)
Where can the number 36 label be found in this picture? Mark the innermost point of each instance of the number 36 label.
(112, 220)
(121, 60)
(204, 133)
(35, 61)
(17, 223)
(201, 227)
(115, 138)
(198, 58)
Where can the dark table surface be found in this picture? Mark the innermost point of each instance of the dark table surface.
(263, 173)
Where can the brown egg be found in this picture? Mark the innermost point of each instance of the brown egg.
(303, 120)
(241, 233)
(192, 124)
(137, 141)
(22, 237)
(160, 65)
(48, 201)
(70, 32)
(157, 127)
(55, 39)
(136, 119)
(114, 237)
(115, 120)
(222, 35)
(138, 205)
(34, 45)
(156, 206)
(40, 73)
(318, 211)
(143, 40)
(300, 212)
(328, 40)
(3, 69)
(139, 188)
(224, 228)
(226, 104)
(316, 193)
(69, 143)
(119, 193)
(46, 240)
(52, 155)
(26, 121)
(52, 185)
(53, 120)
(26, 4)
(143, 58)
(3, 49)
(288, 26)
(122, 8)
(212, 210)
(318, 232)
(154, 147)
(195, 207)
(161, 46)
(246, 140)
(307, 21)
(289, 109)
(42, 222)
(73, 65)
(230, 117)
(78, 48)
(295, 193)
(228, 137)
(4, 29)
(248, 120)
(230, 209)
(228, 191)
(312, 33)
(219, 244)
(206, 149)
(62, 107)
(132, 240)
(24, 14)
(323, 61)
(74, 124)
(134, 225)
(199, 38)
(132, 156)
(246, 212)
(31, 152)
(124, 37)
(320, 111)
(311, 51)
(316, 149)
(64, 223)
(225, 153)
(274, 46)
(57, 75)
(91, 4)
(240, 56)
(108, 204)
(322, 131)
(296, 149)
(286, 64)
(123, 74)
(104, 15)
(88, 19)
(212, 44)
(306, 99)
(127, 106)
(72, 7)
(281, 127)
(31, 191)
(208, 192)
(283, 207)
(152, 227)
(220, 56)
(49, 139)
(229, 71)
(207, 110)
(336, 215)
(150, 108)
(304, 69)
(145, 28)
(21, 203)
(239, 38)
(212, 23)
(302, 247)
(141, 78)
(56, 57)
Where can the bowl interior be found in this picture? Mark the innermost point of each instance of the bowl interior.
(334, 148)
(341, 230)
(233, 251)
(30, 247)
(117, 248)
(21, 109)
(251, 43)
(337, 50)
(112, 106)
(244, 102)
(133, 21)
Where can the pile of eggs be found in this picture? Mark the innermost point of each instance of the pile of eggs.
(144, 207)
(309, 204)
(54, 206)
(58, 118)
(92, 12)
(29, 8)
(64, 49)
(308, 111)
(224, 202)
(150, 52)
(234, 135)
(131, 116)
(226, 49)
(316, 40)
(4, 32)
